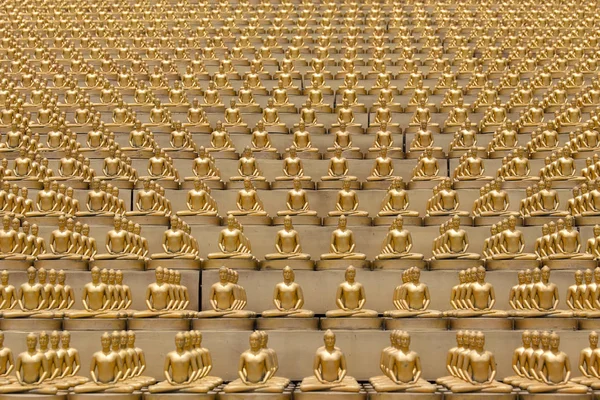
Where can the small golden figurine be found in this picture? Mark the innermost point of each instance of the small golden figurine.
(288, 299)
(350, 299)
(227, 298)
(473, 296)
(412, 298)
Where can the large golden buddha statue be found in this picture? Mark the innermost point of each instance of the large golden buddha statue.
(227, 298)
(473, 296)
(288, 299)
(535, 295)
(398, 243)
(412, 298)
(350, 299)
(166, 297)
(233, 244)
(342, 245)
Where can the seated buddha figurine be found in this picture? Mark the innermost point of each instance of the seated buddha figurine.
(345, 114)
(271, 118)
(212, 100)
(62, 244)
(465, 138)
(457, 116)
(545, 201)
(343, 140)
(398, 243)
(472, 368)
(427, 168)
(471, 168)
(227, 298)
(302, 141)
(586, 367)
(395, 202)
(293, 167)
(287, 243)
(32, 298)
(536, 296)
(187, 367)
(148, 201)
(511, 244)
(444, 201)
(383, 169)
(232, 242)
(342, 244)
(199, 201)
(118, 244)
(288, 299)
(493, 201)
(330, 370)
(412, 298)
(297, 201)
(220, 141)
(350, 299)
(233, 118)
(566, 243)
(338, 168)
(347, 203)
(474, 297)
(166, 297)
(248, 202)
(401, 367)
(550, 369)
(383, 138)
(177, 243)
(256, 371)
(204, 167)
(423, 139)
(261, 142)
(453, 243)
(248, 167)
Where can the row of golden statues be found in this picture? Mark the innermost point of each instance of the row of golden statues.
(46, 295)
(539, 364)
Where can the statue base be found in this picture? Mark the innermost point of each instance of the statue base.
(587, 220)
(264, 185)
(330, 395)
(481, 396)
(521, 183)
(125, 265)
(223, 324)
(400, 264)
(160, 220)
(233, 263)
(286, 395)
(342, 264)
(68, 265)
(294, 264)
(106, 396)
(515, 265)
(589, 324)
(324, 185)
(31, 324)
(570, 264)
(265, 155)
(416, 324)
(287, 323)
(373, 154)
(471, 184)
(97, 220)
(94, 324)
(350, 220)
(290, 184)
(188, 183)
(16, 265)
(180, 396)
(31, 396)
(122, 184)
(350, 323)
(164, 183)
(374, 395)
(254, 219)
(425, 183)
(299, 220)
(455, 264)
(201, 219)
(556, 396)
(437, 220)
(387, 221)
(158, 324)
(545, 324)
(541, 220)
(480, 323)
(174, 263)
(376, 185)
(491, 220)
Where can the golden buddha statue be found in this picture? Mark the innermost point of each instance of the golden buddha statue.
(187, 367)
(510, 244)
(401, 368)
(204, 167)
(119, 245)
(166, 297)
(412, 298)
(248, 167)
(383, 168)
(445, 201)
(427, 168)
(293, 167)
(473, 296)
(248, 202)
(233, 117)
(199, 201)
(220, 141)
(342, 244)
(395, 202)
(566, 243)
(62, 244)
(550, 369)
(271, 117)
(588, 357)
(257, 368)
(330, 370)
(453, 243)
(150, 201)
(347, 203)
(34, 299)
(350, 299)
(302, 141)
(288, 299)
(261, 141)
(472, 368)
(398, 243)
(177, 243)
(287, 243)
(232, 242)
(227, 298)
(535, 295)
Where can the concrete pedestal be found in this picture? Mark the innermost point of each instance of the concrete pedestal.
(67, 265)
(233, 263)
(400, 264)
(299, 220)
(499, 265)
(437, 220)
(281, 264)
(106, 396)
(480, 396)
(454, 264)
(546, 324)
(94, 324)
(286, 323)
(555, 396)
(31, 324)
(351, 323)
(387, 221)
(416, 324)
(212, 395)
(480, 323)
(174, 263)
(342, 264)
(223, 324)
(350, 221)
(158, 324)
(570, 264)
(299, 395)
(123, 265)
(201, 219)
